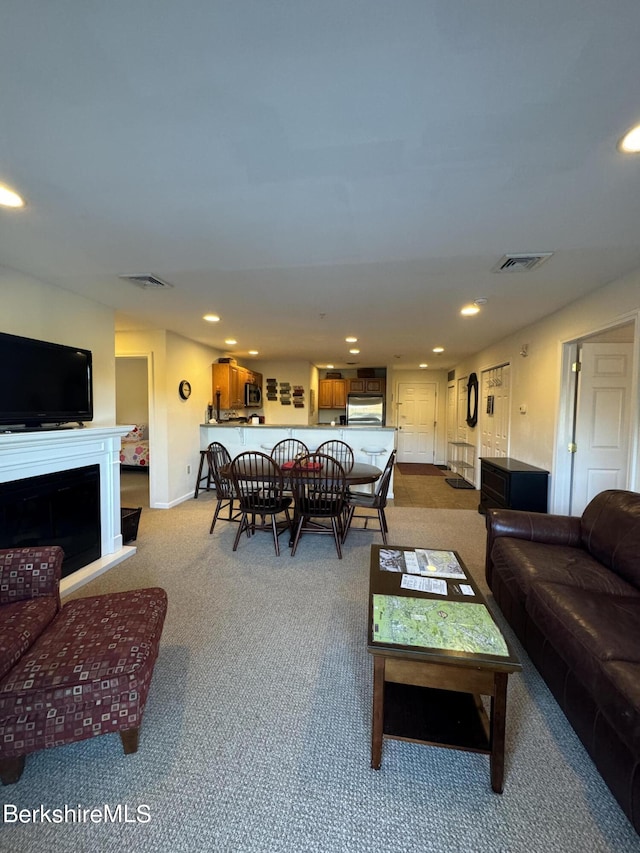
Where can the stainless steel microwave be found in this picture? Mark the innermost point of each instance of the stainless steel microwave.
(252, 396)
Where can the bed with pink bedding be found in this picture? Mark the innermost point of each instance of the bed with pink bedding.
(134, 449)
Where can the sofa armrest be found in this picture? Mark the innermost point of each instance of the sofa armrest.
(30, 573)
(534, 526)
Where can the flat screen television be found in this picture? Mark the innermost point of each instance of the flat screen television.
(43, 383)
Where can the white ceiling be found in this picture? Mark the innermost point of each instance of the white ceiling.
(310, 169)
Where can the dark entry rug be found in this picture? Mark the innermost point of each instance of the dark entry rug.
(419, 469)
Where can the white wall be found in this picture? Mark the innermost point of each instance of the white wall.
(174, 434)
(132, 391)
(536, 379)
(36, 310)
(394, 376)
(295, 373)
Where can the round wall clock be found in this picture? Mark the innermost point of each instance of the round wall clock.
(184, 389)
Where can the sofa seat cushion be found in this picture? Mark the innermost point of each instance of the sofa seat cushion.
(618, 691)
(89, 673)
(21, 623)
(587, 628)
(523, 564)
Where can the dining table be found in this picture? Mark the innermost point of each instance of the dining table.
(361, 474)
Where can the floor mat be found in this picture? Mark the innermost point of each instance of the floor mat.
(419, 469)
(458, 483)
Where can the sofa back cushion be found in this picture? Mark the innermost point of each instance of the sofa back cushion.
(610, 531)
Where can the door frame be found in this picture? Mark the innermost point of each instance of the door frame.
(561, 483)
(153, 472)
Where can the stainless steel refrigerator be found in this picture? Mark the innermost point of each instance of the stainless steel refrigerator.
(365, 410)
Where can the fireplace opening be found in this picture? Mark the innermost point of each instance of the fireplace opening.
(62, 508)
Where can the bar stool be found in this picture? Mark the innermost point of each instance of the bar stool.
(203, 477)
(373, 453)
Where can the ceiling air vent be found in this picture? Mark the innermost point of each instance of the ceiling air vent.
(147, 282)
(521, 263)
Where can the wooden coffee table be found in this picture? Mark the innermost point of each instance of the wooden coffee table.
(435, 656)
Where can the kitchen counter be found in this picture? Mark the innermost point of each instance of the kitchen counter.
(297, 426)
(239, 437)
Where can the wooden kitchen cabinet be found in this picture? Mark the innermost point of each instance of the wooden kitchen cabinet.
(230, 381)
(367, 386)
(332, 394)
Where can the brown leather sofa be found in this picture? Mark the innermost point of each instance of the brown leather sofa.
(570, 588)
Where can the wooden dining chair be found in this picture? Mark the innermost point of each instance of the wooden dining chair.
(259, 487)
(319, 489)
(340, 450)
(218, 457)
(287, 450)
(376, 501)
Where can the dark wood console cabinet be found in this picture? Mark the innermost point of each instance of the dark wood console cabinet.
(509, 484)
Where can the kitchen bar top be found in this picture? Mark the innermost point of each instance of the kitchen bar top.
(367, 427)
(370, 444)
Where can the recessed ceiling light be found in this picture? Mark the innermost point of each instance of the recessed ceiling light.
(329, 366)
(423, 365)
(438, 349)
(354, 351)
(8, 198)
(470, 310)
(230, 342)
(351, 340)
(630, 142)
(211, 318)
(253, 352)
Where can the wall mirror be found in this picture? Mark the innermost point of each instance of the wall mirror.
(472, 400)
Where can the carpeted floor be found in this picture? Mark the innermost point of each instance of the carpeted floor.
(256, 734)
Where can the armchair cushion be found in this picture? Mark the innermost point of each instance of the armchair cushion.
(30, 572)
(21, 623)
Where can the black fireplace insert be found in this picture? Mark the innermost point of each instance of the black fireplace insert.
(62, 508)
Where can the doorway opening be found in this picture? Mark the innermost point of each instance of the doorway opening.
(133, 407)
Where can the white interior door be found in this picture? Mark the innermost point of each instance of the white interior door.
(452, 416)
(602, 421)
(462, 428)
(416, 421)
(494, 411)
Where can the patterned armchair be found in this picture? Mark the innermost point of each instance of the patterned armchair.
(72, 672)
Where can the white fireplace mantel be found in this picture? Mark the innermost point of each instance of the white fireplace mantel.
(31, 454)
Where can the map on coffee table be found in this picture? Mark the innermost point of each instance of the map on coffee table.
(452, 625)
(421, 561)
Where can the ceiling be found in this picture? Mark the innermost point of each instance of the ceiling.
(312, 170)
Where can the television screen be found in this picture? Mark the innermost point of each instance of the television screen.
(44, 383)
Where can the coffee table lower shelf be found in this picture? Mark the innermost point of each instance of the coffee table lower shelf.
(435, 717)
